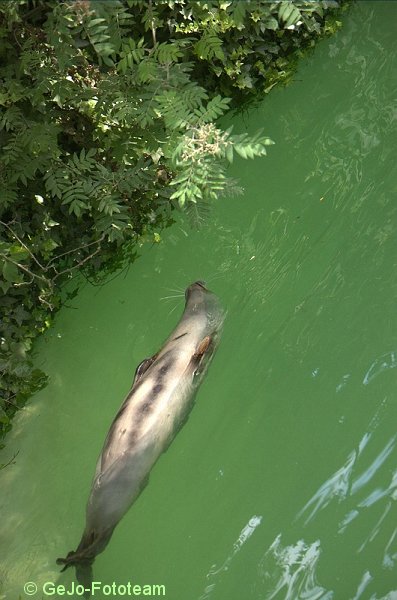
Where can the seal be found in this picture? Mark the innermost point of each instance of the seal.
(158, 404)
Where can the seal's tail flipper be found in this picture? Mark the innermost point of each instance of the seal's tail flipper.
(69, 561)
(83, 558)
(83, 569)
(84, 577)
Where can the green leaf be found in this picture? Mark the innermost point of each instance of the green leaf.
(10, 272)
(293, 18)
(168, 53)
(109, 205)
(214, 109)
(241, 151)
(91, 24)
(77, 207)
(270, 23)
(147, 70)
(238, 14)
(284, 11)
(50, 244)
(5, 286)
(209, 47)
(18, 253)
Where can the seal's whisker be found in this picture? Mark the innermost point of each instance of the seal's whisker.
(172, 310)
(214, 277)
(176, 290)
(171, 297)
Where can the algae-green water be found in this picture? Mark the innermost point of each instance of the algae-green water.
(283, 482)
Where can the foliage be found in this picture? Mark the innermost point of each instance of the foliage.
(108, 116)
(242, 49)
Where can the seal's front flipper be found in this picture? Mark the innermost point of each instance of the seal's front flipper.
(203, 348)
(143, 367)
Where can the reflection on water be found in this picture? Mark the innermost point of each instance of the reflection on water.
(336, 486)
(347, 483)
(367, 577)
(381, 364)
(262, 254)
(290, 571)
(341, 483)
(357, 129)
(390, 596)
(390, 555)
(215, 571)
(371, 470)
(344, 483)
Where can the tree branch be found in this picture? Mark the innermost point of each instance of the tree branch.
(152, 24)
(26, 270)
(82, 262)
(10, 461)
(74, 250)
(22, 244)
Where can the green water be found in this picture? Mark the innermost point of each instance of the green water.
(283, 483)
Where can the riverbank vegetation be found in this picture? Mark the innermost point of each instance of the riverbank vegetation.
(108, 124)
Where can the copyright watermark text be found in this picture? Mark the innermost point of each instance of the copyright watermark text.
(49, 588)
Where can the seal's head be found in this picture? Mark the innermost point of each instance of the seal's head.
(200, 300)
(197, 288)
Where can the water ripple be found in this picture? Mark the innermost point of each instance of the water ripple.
(377, 463)
(366, 579)
(390, 554)
(292, 570)
(336, 486)
(392, 595)
(244, 536)
(382, 363)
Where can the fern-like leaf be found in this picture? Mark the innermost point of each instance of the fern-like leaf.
(147, 70)
(249, 147)
(167, 53)
(173, 110)
(209, 47)
(132, 53)
(109, 205)
(214, 109)
(84, 162)
(12, 118)
(77, 199)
